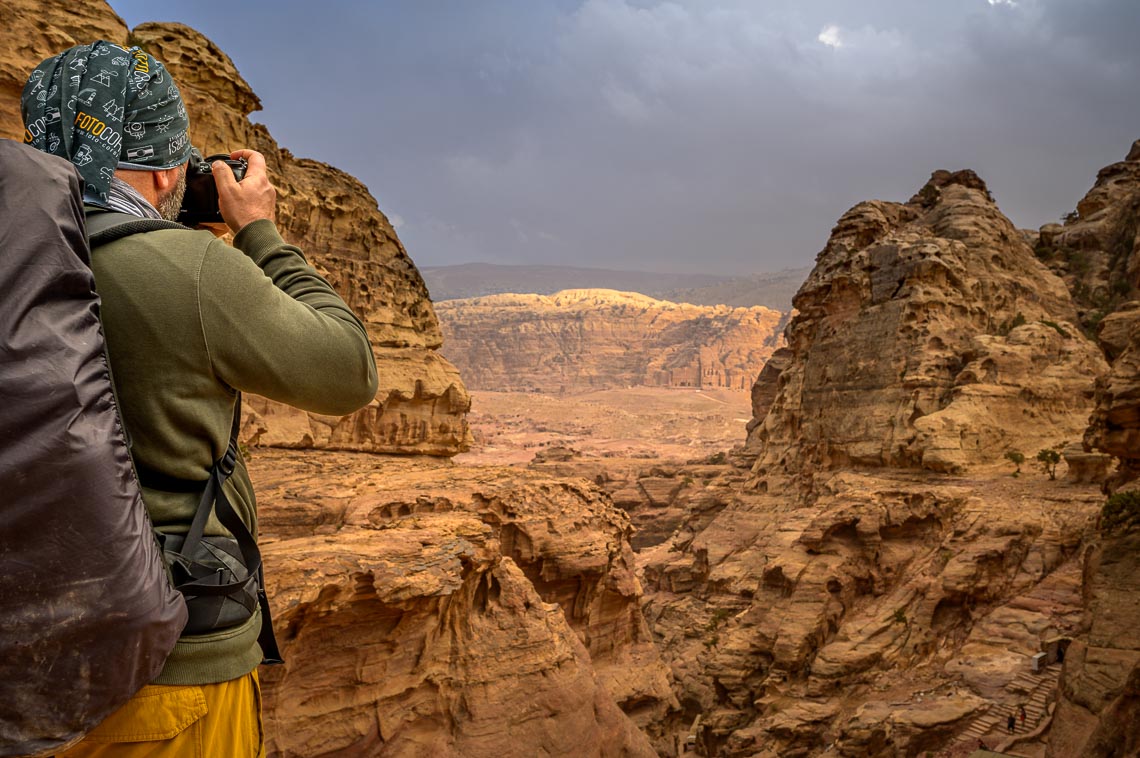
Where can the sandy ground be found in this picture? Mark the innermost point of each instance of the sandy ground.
(653, 423)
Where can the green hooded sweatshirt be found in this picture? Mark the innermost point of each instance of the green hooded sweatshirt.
(188, 321)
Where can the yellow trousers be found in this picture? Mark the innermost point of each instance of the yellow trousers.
(195, 721)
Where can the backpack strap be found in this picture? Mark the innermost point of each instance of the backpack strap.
(107, 226)
(214, 500)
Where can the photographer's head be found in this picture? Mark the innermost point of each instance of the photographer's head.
(112, 111)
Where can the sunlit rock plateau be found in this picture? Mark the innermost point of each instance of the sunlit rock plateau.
(578, 340)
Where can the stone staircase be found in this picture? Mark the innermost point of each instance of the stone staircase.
(1035, 691)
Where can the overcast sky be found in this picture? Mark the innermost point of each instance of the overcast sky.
(717, 136)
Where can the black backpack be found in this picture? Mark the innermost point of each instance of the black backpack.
(92, 598)
(87, 613)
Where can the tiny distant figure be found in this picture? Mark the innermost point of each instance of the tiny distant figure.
(1060, 655)
(1021, 708)
(982, 745)
(1011, 723)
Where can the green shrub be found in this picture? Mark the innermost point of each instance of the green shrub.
(1121, 512)
(1016, 458)
(929, 195)
(1057, 327)
(1049, 459)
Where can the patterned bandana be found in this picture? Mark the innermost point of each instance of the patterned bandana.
(102, 106)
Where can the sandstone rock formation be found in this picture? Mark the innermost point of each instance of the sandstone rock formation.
(430, 610)
(421, 404)
(1115, 426)
(578, 340)
(939, 335)
(881, 585)
(1096, 248)
(660, 499)
(1098, 711)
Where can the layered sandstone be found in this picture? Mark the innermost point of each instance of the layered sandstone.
(1098, 711)
(881, 584)
(578, 340)
(431, 610)
(1115, 426)
(937, 333)
(1096, 249)
(422, 402)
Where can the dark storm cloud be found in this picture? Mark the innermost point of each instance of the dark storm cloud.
(691, 135)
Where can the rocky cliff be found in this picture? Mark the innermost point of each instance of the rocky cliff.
(429, 610)
(1098, 710)
(421, 404)
(940, 335)
(1095, 250)
(880, 582)
(578, 340)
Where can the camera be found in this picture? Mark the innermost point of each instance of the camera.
(200, 203)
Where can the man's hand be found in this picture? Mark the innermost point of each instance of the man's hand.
(251, 199)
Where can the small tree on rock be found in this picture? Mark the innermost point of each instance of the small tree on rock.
(1049, 460)
(1016, 457)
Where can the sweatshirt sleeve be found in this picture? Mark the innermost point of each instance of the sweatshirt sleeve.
(274, 327)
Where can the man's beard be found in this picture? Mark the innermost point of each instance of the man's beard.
(170, 204)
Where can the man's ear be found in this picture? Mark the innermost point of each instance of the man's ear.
(165, 179)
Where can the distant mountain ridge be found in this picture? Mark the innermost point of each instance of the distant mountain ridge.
(469, 280)
(587, 339)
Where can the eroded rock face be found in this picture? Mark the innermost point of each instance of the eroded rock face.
(941, 338)
(883, 580)
(1095, 251)
(1098, 713)
(422, 402)
(882, 616)
(579, 340)
(441, 611)
(1115, 426)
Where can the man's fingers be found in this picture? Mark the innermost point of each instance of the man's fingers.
(223, 174)
(253, 159)
(253, 199)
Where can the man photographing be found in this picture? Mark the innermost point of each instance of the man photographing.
(190, 322)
